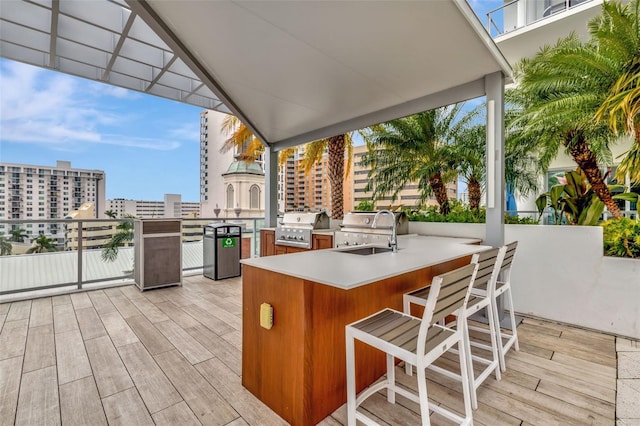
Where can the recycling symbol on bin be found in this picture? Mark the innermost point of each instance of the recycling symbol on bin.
(228, 242)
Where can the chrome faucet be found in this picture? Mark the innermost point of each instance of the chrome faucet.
(394, 239)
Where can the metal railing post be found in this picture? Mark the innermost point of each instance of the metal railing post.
(80, 255)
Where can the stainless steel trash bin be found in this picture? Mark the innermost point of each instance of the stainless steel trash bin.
(221, 247)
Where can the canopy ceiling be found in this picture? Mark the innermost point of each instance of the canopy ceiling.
(293, 71)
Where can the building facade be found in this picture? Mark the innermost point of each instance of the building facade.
(300, 191)
(409, 196)
(94, 234)
(171, 207)
(213, 163)
(32, 192)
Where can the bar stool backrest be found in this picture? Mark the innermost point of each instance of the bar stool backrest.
(489, 266)
(505, 268)
(448, 294)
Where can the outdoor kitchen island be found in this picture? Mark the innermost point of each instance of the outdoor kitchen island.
(297, 367)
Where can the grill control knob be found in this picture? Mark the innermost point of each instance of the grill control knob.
(345, 243)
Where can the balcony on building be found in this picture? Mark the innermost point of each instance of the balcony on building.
(520, 27)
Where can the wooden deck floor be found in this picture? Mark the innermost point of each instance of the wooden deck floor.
(173, 356)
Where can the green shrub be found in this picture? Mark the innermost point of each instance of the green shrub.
(461, 213)
(621, 237)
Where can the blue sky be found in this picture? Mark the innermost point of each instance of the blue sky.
(148, 146)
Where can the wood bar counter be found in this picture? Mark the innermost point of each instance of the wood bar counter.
(298, 366)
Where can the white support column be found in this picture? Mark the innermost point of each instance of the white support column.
(270, 187)
(494, 87)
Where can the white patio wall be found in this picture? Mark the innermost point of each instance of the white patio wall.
(561, 274)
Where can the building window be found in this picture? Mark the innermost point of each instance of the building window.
(230, 196)
(254, 197)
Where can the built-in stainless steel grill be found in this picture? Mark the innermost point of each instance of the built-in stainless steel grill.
(296, 229)
(357, 228)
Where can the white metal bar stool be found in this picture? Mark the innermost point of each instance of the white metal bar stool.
(488, 262)
(417, 341)
(503, 286)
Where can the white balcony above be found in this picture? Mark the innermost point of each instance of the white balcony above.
(521, 27)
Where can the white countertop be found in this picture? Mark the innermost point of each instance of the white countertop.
(348, 270)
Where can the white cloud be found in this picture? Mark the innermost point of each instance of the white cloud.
(62, 112)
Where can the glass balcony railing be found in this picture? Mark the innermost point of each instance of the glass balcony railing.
(520, 13)
(66, 255)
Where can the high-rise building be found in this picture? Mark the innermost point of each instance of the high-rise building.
(407, 197)
(298, 190)
(32, 192)
(171, 206)
(213, 163)
(94, 234)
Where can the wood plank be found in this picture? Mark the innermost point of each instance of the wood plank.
(223, 350)
(13, 338)
(19, 310)
(113, 291)
(81, 301)
(71, 356)
(41, 312)
(592, 367)
(149, 335)
(63, 299)
(80, 403)
(585, 402)
(154, 296)
(598, 354)
(155, 389)
(179, 414)
(228, 304)
(149, 310)
(110, 374)
(90, 324)
(187, 345)
(4, 308)
(101, 302)
(228, 384)
(547, 403)
(577, 384)
(212, 323)
(176, 314)
(64, 318)
(131, 292)
(38, 403)
(118, 329)
(10, 374)
(41, 349)
(574, 370)
(204, 400)
(125, 409)
(3, 317)
(125, 307)
(213, 309)
(605, 342)
(235, 338)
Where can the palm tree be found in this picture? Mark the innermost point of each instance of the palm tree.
(42, 244)
(617, 31)
(110, 213)
(560, 90)
(123, 235)
(5, 246)
(414, 149)
(18, 235)
(250, 148)
(469, 150)
(336, 147)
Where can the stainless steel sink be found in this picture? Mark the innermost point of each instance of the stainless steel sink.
(365, 251)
